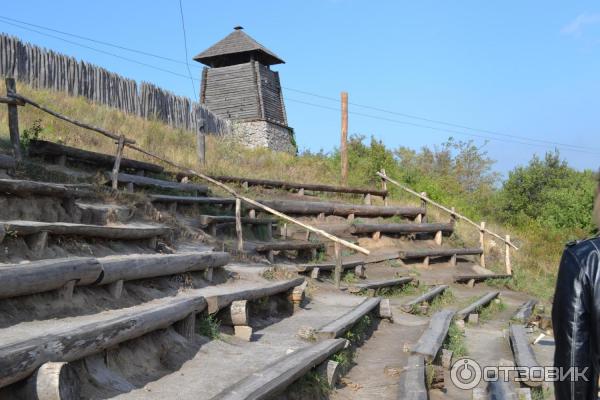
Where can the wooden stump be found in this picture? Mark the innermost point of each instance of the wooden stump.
(52, 381)
(360, 271)
(438, 238)
(453, 260)
(208, 274)
(66, 292)
(330, 370)
(385, 309)
(426, 261)
(314, 274)
(236, 314)
(37, 242)
(376, 235)
(116, 289)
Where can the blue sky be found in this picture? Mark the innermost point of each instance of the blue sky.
(529, 69)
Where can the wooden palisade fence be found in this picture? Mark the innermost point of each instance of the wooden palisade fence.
(46, 69)
(13, 100)
(456, 216)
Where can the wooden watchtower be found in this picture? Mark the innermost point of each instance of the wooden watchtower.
(238, 84)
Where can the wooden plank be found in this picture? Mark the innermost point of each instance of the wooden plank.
(412, 380)
(143, 266)
(288, 245)
(479, 277)
(45, 148)
(525, 311)
(380, 284)
(344, 323)
(307, 186)
(425, 297)
(432, 339)
(523, 354)
(272, 380)
(224, 299)
(206, 220)
(143, 181)
(160, 198)
(88, 336)
(402, 228)
(26, 188)
(327, 266)
(340, 209)
(475, 306)
(501, 390)
(437, 252)
(46, 275)
(135, 231)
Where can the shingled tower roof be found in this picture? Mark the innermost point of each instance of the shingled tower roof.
(237, 48)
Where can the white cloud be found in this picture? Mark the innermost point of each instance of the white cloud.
(576, 27)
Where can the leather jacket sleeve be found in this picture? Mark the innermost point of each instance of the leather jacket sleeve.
(576, 320)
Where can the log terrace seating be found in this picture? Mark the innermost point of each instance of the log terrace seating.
(344, 323)
(376, 230)
(18, 187)
(131, 181)
(212, 221)
(61, 153)
(308, 248)
(426, 254)
(372, 286)
(7, 163)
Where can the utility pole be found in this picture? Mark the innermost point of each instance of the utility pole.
(344, 142)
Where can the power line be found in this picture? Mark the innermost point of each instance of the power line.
(145, 53)
(515, 138)
(187, 64)
(567, 147)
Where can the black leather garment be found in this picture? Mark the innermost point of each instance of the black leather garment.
(576, 319)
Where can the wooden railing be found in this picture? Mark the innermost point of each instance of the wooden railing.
(456, 216)
(14, 100)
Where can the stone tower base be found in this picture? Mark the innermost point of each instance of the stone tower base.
(263, 134)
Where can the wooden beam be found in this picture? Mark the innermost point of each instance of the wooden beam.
(477, 305)
(380, 284)
(478, 277)
(340, 209)
(412, 379)
(445, 228)
(432, 339)
(524, 356)
(525, 311)
(13, 120)
(425, 297)
(272, 380)
(344, 323)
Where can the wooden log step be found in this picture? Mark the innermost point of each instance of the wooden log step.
(160, 198)
(410, 254)
(45, 148)
(7, 162)
(344, 323)
(380, 284)
(288, 245)
(412, 379)
(306, 186)
(327, 266)
(221, 297)
(431, 340)
(402, 228)
(144, 266)
(18, 187)
(477, 305)
(206, 220)
(341, 209)
(146, 182)
(522, 352)
(272, 380)
(525, 311)
(134, 231)
(46, 275)
(103, 214)
(27, 346)
(479, 277)
(425, 297)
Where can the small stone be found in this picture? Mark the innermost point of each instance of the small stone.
(447, 358)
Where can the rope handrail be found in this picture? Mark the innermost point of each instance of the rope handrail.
(444, 208)
(131, 143)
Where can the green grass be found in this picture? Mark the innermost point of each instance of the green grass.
(311, 385)
(349, 278)
(455, 341)
(486, 313)
(441, 301)
(208, 326)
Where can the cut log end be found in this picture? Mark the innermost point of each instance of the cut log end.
(52, 381)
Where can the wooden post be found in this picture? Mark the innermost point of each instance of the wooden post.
(117, 164)
(238, 224)
(424, 205)
(338, 264)
(344, 141)
(482, 244)
(384, 187)
(13, 120)
(453, 215)
(507, 255)
(201, 145)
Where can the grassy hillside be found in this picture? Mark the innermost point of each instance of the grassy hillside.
(454, 173)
